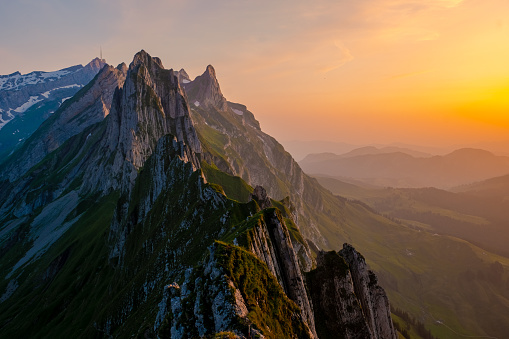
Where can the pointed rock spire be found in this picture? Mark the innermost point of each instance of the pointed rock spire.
(183, 76)
(205, 91)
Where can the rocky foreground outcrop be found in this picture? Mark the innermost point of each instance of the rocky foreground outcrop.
(372, 297)
(347, 300)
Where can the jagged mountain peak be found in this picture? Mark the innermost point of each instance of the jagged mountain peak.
(122, 67)
(210, 71)
(96, 64)
(206, 91)
(150, 105)
(143, 58)
(183, 76)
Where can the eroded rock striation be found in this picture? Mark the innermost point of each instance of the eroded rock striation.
(205, 90)
(338, 312)
(348, 302)
(372, 297)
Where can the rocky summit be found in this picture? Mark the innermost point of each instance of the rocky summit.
(148, 205)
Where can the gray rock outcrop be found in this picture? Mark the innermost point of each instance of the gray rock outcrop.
(348, 302)
(260, 196)
(150, 105)
(372, 297)
(271, 242)
(206, 92)
(337, 310)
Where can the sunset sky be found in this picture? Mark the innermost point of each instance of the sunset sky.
(430, 72)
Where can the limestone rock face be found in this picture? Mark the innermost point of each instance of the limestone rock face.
(271, 243)
(260, 196)
(206, 92)
(348, 302)
(213, 298)
(169, 155)
(372, 297)
(150, 105)
(216, 304)
(338, 313)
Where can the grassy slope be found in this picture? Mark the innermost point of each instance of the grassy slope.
(425, 274)
(268, 306)
(49, 306)
(479, 220)
(87, 289)
(234, 187)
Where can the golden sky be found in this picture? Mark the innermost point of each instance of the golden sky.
(431, 72)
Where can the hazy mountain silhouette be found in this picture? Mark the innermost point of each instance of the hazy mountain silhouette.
(399, 169)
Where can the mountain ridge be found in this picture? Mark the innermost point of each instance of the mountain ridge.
(26, 104)
(130, 189)
(147, 238)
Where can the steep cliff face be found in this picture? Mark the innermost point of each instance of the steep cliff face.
(150, 105)
(372, 297)
(345, 304)
(231, 292)
(170, 163)
(338, 312)
(269, 239)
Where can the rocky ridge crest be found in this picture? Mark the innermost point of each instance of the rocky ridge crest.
(141, 163)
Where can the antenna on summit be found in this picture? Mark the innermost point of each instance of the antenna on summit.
(101, 52)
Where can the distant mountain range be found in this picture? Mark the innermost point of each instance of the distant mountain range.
(407, 168)
(26, 100)
(299, 149)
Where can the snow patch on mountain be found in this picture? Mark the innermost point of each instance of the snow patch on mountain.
(8, 116)
(32, 101)
(47, 93)
(64, 99)
(237, 111)
(16, 80)
(4, 119)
